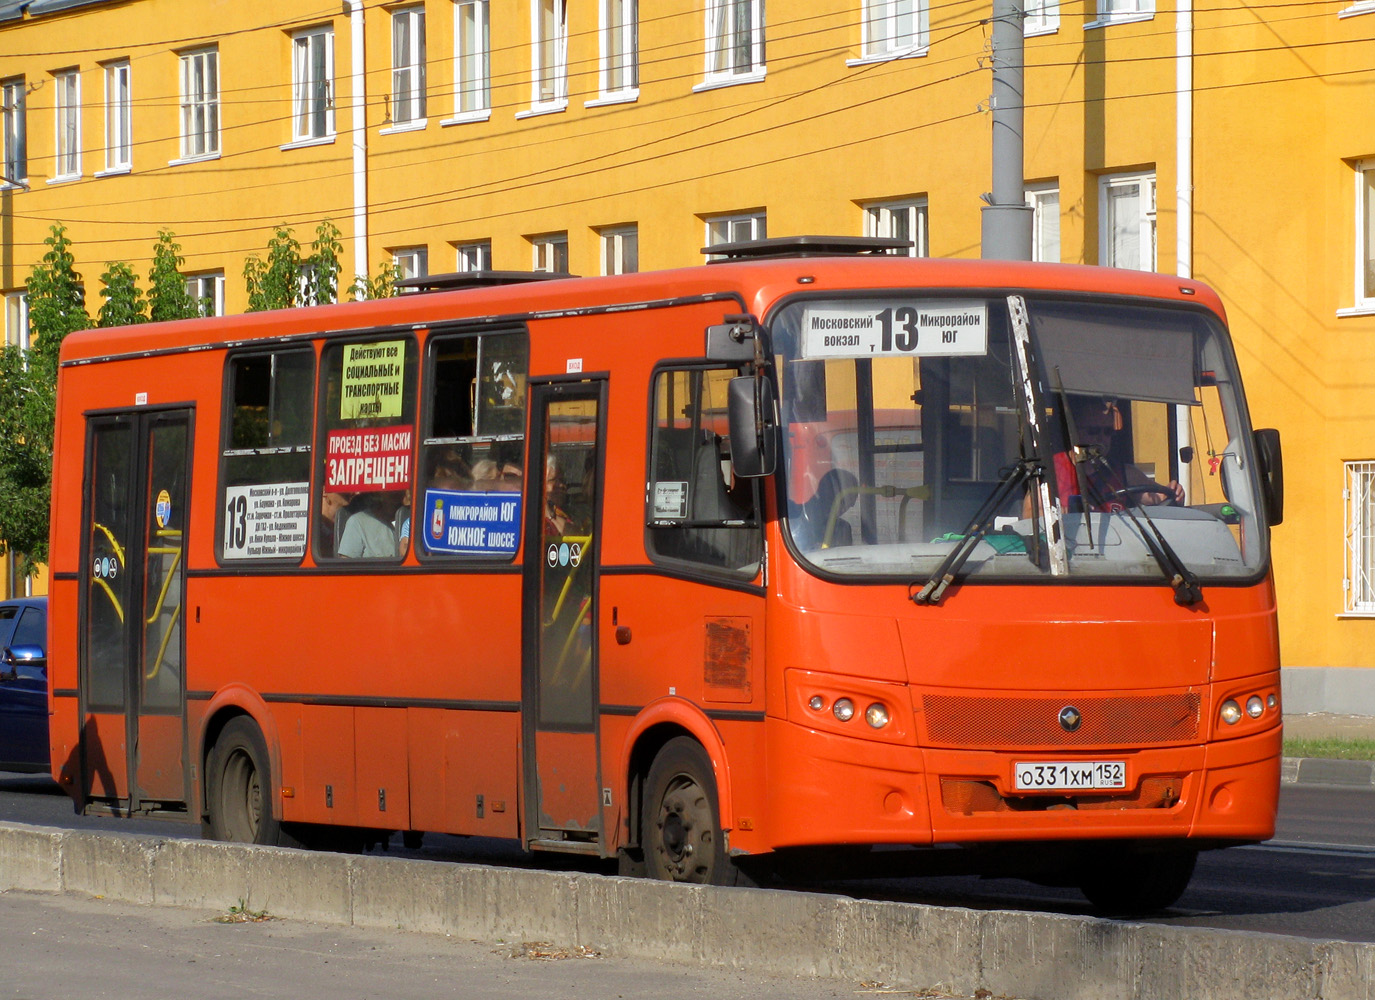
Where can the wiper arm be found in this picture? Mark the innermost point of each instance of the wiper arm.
(1182, 580)
(978, 526)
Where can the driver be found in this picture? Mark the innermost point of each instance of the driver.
(1096, 422)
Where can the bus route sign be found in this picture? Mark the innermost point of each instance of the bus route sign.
(463, 522)
(935, 328)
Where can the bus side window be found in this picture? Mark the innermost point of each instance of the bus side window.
(265, 484)
(699, 512)
(367, 441)
(472, 454)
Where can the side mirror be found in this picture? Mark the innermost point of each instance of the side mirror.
(751, 412)
(1271, 461)
(24, 656)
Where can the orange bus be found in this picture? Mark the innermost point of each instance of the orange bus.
(810, 552)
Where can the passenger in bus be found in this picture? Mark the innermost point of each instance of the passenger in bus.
(556, 519)
(822, 513)
(1104, 485)
(368, 528)
(330, 505)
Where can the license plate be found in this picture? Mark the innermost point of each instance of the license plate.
(1084, 775)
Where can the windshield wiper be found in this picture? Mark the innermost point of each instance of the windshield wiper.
(976, 529)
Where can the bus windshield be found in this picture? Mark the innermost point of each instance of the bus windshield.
(904, 419)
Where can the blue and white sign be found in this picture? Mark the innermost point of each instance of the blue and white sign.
(460, 522)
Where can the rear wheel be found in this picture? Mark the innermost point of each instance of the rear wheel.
(239, 788)
(681, 831)
(1131, 883)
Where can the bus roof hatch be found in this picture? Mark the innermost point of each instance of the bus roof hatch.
(805, 246)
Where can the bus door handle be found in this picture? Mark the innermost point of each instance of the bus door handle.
(623, 635)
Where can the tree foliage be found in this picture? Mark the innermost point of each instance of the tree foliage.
(167, 294)
(28, 392)
(288, 278)
(380, 286)
(124, 304)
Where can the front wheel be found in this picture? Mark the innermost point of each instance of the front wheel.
(1127, 883)
(682, 836)
(239, 788)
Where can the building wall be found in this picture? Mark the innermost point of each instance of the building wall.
(1283, 94)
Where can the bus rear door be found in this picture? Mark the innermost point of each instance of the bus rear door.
(132, 685)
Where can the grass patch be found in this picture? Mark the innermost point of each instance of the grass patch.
(1332, 748)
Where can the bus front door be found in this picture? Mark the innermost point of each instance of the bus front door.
(133, 689)
(560, 684)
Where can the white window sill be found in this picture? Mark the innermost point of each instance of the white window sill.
(64, 179)
(202, 158)
(415, 126)
(323, 140)
(617, 97)
(1116, 19)
(717, 82)
(883, 57)
(465, 117)
(1361, 7)
(551, 108)
(1367, 309)
(1049, 29)
(18, 184)
(1355, 614)
(128, 168)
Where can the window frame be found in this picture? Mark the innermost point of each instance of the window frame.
(15, 135)
(1364, 284)
(462, 260)
(1036, 198)
(408, 83)
(1147, 221)
(551, 53)
(17, 306)
(199, 100)
(410, 262)
(757, 222)
(1358, 529)
(878, 216)
(197, 283)
(548, 244)
(722, 40)
(66, 125)
(473, 55)
(876, 48)
(1115, 12)
(119, 125)
(614, 246)
(312, 100)
(1041, 17)
(618, 52)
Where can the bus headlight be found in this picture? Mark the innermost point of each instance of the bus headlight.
(876, 715)
(1255, 708)
(844, 709)
(1231, 712)
(817, 703)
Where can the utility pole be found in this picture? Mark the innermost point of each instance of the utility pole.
(1006, 220)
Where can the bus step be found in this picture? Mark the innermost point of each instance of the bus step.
(566, 846)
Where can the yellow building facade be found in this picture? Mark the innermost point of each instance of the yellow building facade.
(1233, 143)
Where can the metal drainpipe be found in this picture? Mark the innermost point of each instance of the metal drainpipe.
(360, 139)
(1184, 174)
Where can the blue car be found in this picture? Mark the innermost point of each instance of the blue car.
(24, 685)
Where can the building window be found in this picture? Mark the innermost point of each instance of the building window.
(119, 144)
(312, 84)
(899, 220)
(474, 256)
(1358, 586)
(551, 253)
(735, 40)
(200, 103)
(1045, 222)
(894, 27)
(17, 320)
(67, 100)
(472, 62)
(1041, 17)
(1365, 235)
(1126, 211)
(408, 66)
(619, 71)
(620, 250)
(735, 229)
(15, 132)
(549, 30)
(1124, 10)
(208, 292)
(410, 262)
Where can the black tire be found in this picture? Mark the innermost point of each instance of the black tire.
(239, 788)
(1128, 883)
(681, 833)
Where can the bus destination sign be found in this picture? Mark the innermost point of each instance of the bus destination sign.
(949, 328)
(460, 522)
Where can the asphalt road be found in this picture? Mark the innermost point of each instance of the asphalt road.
(1316, 879)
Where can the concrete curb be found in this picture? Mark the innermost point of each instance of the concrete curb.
(1325, 771)
(1031, 955)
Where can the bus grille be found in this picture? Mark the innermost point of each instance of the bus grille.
(997, 723)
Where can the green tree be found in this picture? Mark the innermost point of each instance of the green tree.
(124, 304)
(381, 286)
(28, 393)
(275, 284)
(321, 269)
(167, 294)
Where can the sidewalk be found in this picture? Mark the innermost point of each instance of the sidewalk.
(1321, 771)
